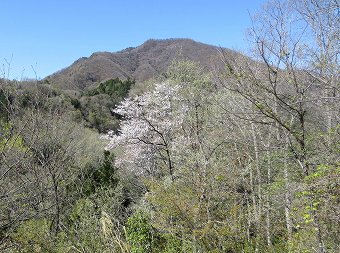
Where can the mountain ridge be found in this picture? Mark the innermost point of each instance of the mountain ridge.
(141, 63)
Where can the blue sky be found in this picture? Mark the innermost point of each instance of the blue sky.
(49, 35)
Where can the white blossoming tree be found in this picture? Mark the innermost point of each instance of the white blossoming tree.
(163, 128)
(147, 131)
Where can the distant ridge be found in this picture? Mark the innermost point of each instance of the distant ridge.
(141, 63)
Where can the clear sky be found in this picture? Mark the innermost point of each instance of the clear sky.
(48, 35)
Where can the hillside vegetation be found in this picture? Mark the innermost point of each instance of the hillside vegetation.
(239, 155)
(141, 63)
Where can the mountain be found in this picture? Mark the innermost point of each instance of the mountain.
(141, 63)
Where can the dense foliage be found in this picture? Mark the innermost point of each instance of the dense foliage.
(95, 105)
(246, 160)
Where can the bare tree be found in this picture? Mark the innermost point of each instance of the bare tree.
(292, 83)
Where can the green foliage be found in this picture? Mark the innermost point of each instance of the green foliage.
(3, 106)
(34, 236)
(316, 208)
(84, 227)
(96, 104)
(105, 175)
(140, 233)
(115, 88)
(172, 244)
(184, 71)
(99, 204)
(95, 177)
(76, 103)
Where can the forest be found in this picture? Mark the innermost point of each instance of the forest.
(194, 160)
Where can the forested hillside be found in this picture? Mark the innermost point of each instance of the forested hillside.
(243, 159)
(141, 63)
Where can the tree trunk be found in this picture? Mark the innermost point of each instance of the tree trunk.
(289, 225)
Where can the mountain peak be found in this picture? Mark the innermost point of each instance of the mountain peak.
(141, 63)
